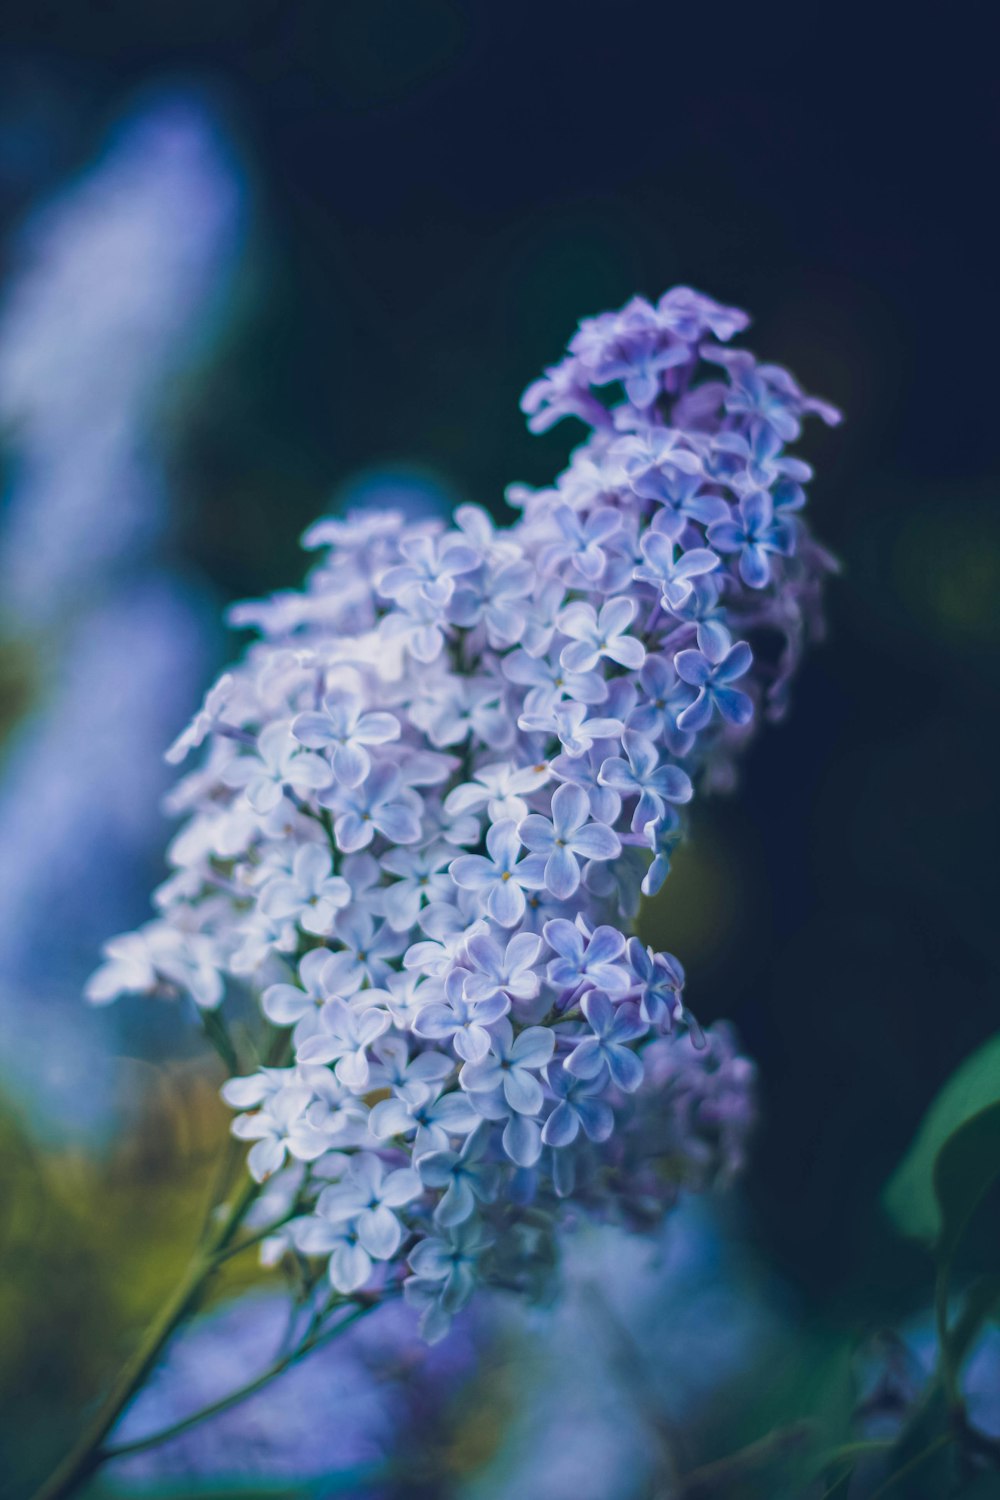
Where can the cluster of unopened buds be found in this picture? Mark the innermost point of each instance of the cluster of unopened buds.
(432, 796)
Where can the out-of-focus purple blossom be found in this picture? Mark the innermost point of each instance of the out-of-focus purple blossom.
(346, 1415)
(115, 288)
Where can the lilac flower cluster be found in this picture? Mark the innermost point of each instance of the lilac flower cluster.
(433, 795)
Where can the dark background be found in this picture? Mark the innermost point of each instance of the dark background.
(442, 190)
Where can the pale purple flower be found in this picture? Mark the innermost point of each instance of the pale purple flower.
(279, 762)
(366, 1199)
(642, 776)
(345, 729)
(496, 877)
(712, 669)
(598, 635)
(464, 1176)
(670, 570)
(381, 804)
(594, 961)
(512, 1065)
(367, 949)
(461, 1018)
(581, 543)
(754, 533)
(279, 1128)
(311, 896)
(566, 838)
(344, 1038)
(579, 1106)
(506, 970)
(300, 1005)
(614, 1027)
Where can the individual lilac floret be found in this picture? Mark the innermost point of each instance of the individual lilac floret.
(566, 838)
(642, 776)
(430, 799)
(498, 878)
(312, 894)
(280, 762)
(465, 1177)
(753, 533)
(596, 636)
(345, 730)
(614, 1027)
(670, 570)
(711, 670)
(512, 1066)
(587, 962)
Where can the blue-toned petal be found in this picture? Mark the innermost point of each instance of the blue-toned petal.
(733, 705)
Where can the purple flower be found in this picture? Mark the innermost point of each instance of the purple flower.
(367, 1199)
(430, 569)
(367, 949)
(711, 669)
(497, 877)
(344, 728)
(461, 1018)
(312, 895)
(671, 571)
(583, 771)
(598, 635)
(464, 1176)
(613, 1027)
(280, 1128)
(753, 535)
(503, 971)
(582, 542)
(579, 1107)
(660, 981)
(596, 961)
(279, 762)
(665, 697)
(512, 1066)
(642, 776)
(567, 837)
(381, 804)
(344, 1038)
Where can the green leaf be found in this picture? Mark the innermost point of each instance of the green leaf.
(910, 1197)
(965, 1171)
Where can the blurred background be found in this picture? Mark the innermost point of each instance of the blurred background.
(259, 261)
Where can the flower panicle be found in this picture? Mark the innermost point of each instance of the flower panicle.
(432, 794)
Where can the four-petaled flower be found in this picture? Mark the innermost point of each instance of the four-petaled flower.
(465, 1177)
(279, 762)
(644, 777)
(381, 804)
(753, 533)
(672, 571)
(497, 877)
(711, 670)
(278, 1128)
(312, 895)
(344, 1038)
(614, 1027)
(567, 837)
(512, 1066)
(367, 1199)
(346, 729)
(597, 635)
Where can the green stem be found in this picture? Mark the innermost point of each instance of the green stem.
(88, 1453)
(914, 1463)
(711, 1478)
(139, 1445)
